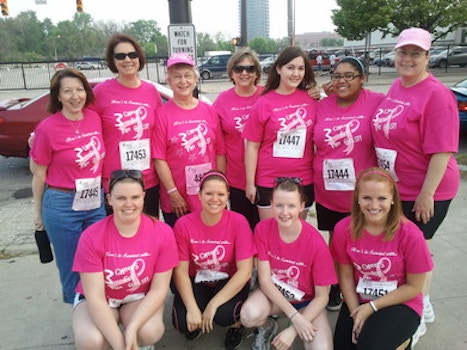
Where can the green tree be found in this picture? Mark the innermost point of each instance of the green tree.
(263, 45)
(356, 18)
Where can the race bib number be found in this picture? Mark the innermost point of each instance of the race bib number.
(210, 276)
(290, 144)
(339, 174)
(193, 176)
(387, 160)
(88, 194)
(135, 154)
(288, 291)
(372, 290)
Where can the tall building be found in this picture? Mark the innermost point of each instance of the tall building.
(257, 18)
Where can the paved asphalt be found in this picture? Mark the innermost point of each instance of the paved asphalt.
(33, 317)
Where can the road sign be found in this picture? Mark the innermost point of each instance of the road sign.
(182, 38)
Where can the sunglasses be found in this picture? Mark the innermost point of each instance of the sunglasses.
(120, 56)
(239, 69)
(295, 180)
(118, 175)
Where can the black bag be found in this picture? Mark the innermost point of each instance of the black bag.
(43, 245)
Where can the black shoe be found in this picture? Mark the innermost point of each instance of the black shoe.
(335, 298)
(193, 335)
(233, 337)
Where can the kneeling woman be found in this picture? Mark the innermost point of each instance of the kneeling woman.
(295, 270)
(216, 250)
(125, 263)
(382, 261)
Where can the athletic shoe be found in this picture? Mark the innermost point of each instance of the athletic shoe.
(420, 332)
(428, 312)
(233, 337)
(265, 335)
(193, 335)
(335, 298)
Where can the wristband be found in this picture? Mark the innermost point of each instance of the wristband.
(172, 190)
(290, 318)
(373, 306)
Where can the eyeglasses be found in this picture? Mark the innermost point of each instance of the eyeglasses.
(345, 76)
(249, 69)
(295, 180)
(120, 56)
(118, 175)
(412, 54)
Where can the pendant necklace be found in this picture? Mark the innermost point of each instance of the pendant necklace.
(73, 125)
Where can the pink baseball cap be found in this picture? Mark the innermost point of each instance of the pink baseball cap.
(180, 58)
(414, 36)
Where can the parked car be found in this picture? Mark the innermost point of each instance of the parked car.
(267, 63)
(386, 60)
(453, 56)
(86, 65)
(19, 117)
(460, 90)
(214, 66)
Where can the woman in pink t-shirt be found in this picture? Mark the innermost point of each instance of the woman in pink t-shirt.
(343, 146)
(279, 131)
(216, 249)
(295, 270)
(382, 260)
(125, 262)
(416, 133)
(66, 164)
(187, 141)
(127, 105)
(233, 107)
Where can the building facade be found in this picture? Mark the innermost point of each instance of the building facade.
(257, 18)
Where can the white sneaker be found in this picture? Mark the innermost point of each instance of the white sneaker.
(420, 332)
(428, 312)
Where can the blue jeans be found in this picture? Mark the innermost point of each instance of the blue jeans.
(64, 227)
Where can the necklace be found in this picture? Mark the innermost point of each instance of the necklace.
(72, 123)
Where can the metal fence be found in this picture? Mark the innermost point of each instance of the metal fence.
(37, 75)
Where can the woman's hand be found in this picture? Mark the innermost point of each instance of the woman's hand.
(284, 340)
(178, 204)
(314, 92)
(304, 328)
(360, 315)
(208, 318)
(194, 319)
(327, 88)
(39, 226)
(250, 193)
(131, 339)
(424, 207)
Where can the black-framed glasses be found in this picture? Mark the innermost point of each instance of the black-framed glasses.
(118, 175)
(249, 69)
(282, 179)
(345, 76)
(120, 56)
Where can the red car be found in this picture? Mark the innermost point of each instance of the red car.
(19, 117)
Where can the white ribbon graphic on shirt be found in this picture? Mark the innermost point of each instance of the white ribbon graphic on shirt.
(89, 153)
(134, 119)
(345, 133)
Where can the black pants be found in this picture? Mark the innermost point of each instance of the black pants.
(241, 204)
(226, 315)
(386, 329)
(428, 229)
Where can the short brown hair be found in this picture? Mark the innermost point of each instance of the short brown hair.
(55, 83)
(122, 38)
(238, 56)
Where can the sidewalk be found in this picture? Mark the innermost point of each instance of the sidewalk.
(35, 318)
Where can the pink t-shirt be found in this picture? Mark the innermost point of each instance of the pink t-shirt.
(128, 116)
(188, 140)
(233, 113)
(71, 149)
(409, 126)
(283, 125)
(343, 147)
(377, 260)
(215, 248)
(128, 263)
(302, 264)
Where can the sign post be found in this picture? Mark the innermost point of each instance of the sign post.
(182, 39)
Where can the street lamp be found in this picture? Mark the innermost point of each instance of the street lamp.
(55, 46)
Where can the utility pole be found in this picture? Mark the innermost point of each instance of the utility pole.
(243, 24)
(179, 11)
(291, 21)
